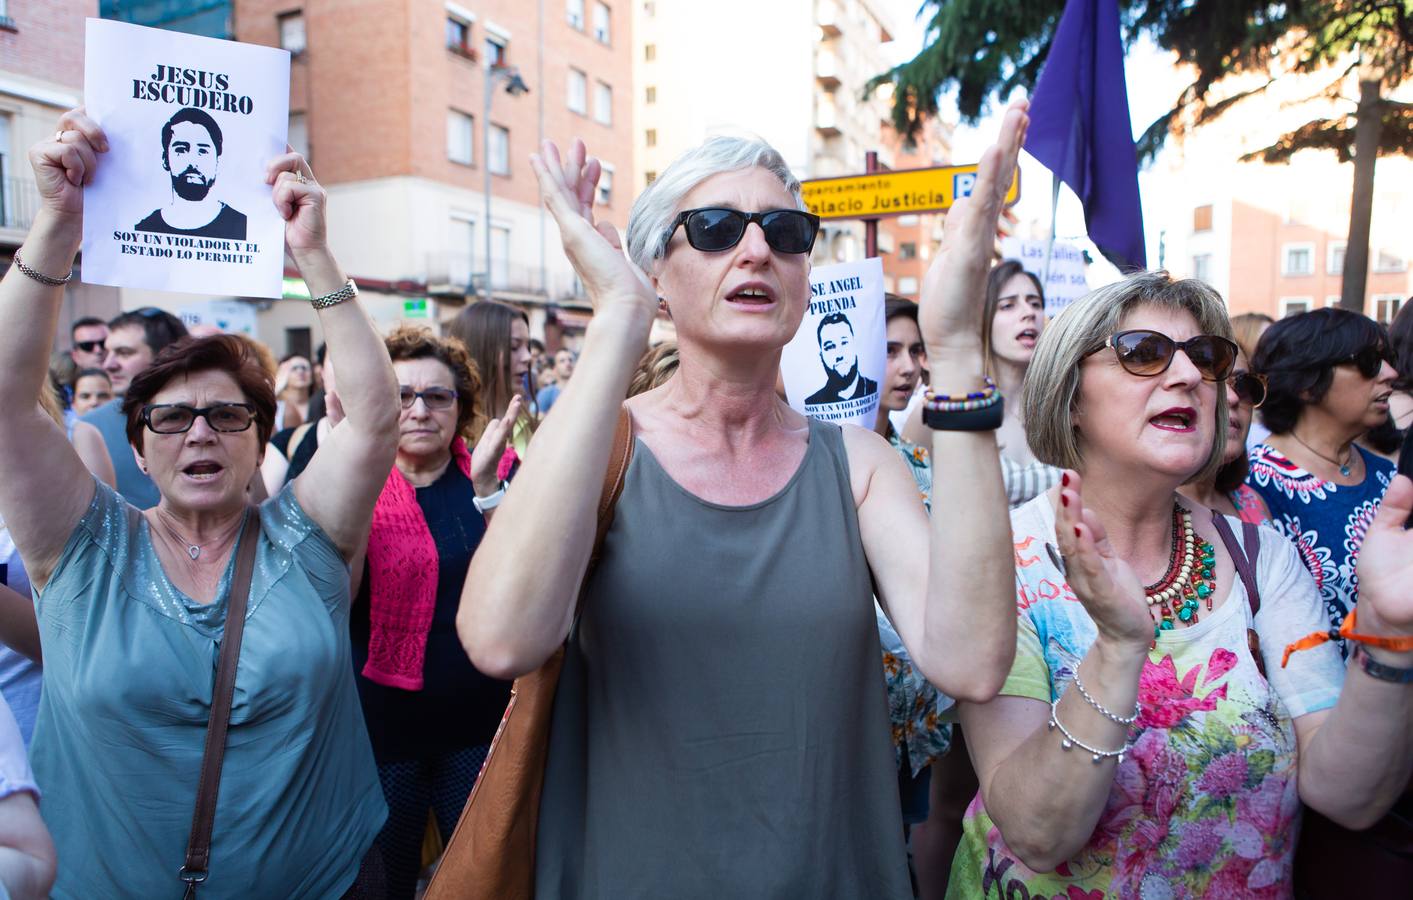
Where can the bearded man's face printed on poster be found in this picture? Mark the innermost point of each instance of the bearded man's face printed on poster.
(837, 353)
(192, 160)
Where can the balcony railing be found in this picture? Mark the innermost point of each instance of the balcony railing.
(19, 201)
(460, 273)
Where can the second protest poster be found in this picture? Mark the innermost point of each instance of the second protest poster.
(835, 362)
(179, 202)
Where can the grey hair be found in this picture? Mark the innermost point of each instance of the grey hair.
(1051, 392)
(656, 207)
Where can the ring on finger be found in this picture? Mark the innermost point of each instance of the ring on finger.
(59, 136)
(301, 178)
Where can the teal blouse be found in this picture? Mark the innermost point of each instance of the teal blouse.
(129, 663)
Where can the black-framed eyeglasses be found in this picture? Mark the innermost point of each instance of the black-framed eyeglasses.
(1146, 353)
(715, 228)
(1250, 387)
(89, 346)
(435, 398)
(175, 418)
(1369, 360)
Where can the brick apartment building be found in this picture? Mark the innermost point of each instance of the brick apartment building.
(41, 76)
(388, 99)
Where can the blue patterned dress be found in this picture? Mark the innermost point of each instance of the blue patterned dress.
(1326, 521)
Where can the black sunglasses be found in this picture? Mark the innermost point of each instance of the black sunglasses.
(434, 398)
(176, 418)
(1144, 352)
(89, 346)
(1250, 387)
(1369, 360)
(715, 228)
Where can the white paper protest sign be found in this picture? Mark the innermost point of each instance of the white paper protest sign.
(1067, 281)
(834, 364)
(179, 202)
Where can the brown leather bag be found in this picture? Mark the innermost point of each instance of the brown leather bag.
(491, 854)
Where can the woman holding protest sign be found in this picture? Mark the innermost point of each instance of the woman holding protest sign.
(720, 727)
(137, 609)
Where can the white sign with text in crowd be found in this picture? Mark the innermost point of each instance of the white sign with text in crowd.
(1067, 281)
(834, 364)
(179, 202)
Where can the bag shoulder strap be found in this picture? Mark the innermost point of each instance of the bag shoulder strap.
(613, 478)
(1243, 555)
(198, 847)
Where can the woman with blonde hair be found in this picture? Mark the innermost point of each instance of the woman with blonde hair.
(1161, 724)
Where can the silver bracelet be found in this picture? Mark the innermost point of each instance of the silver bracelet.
(347, 292)
(39, 276)
(1099, 706)
(1069, 741)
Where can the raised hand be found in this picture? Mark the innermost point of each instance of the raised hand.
(485, 457)
(301, 201)
(67, 162)
(1385, 566)
(567, 188)
(954, 289)
(1106, 585)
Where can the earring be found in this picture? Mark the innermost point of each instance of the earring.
(662, 305)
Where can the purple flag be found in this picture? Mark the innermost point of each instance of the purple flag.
(1080, 130)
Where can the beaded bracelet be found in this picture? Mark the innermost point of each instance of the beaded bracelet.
(931, 397)
(1099, 706)
(1069, 741)
(937, 405)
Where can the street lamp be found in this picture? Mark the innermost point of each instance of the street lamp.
(514, 86)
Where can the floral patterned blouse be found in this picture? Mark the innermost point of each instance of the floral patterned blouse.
(915, 707)
(1205, 803)
(1326, 521)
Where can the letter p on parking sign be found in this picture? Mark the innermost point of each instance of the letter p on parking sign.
(962, 183)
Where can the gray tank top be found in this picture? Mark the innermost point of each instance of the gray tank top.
(721, 727)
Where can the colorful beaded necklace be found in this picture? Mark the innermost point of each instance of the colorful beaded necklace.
(1191, 576)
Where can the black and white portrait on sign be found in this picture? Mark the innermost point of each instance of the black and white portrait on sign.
(832, 367)
(842, 380)
(179, 202)
(191, 155)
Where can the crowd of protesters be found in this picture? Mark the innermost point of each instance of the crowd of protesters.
(1149, 559)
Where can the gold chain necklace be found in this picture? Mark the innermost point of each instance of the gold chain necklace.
(1343, 467)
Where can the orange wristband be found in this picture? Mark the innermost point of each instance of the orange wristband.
(1346, 631)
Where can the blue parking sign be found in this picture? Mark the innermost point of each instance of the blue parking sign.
(962, 183)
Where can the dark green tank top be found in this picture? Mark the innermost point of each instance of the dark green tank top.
(721, 728)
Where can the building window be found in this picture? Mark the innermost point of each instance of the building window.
(1386, 306)
(578, 92)
(603, 103)
(650, 137)
(458, 37)
(574, 12)
(460, 137)
(1334, 258)
(907, 285)
(299, 134)
(1294, 306)
(649, 177)
(462, 256)
(495, 51)
(650, 95)
(1384, 261)
(499, 153)
(601, 30)
(1297, 259)
(649, 52)
(1202, 266)
(907, 250)
(292, 32)
(605, 193)
(1202, 218)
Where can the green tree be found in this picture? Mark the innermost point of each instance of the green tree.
(979, 48)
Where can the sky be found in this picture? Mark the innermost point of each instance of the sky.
(1152, 86)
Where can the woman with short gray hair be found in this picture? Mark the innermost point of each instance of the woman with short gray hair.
(720, 727)
(1206, 705)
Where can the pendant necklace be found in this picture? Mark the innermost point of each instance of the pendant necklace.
(192, 550)
(1342, 466)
